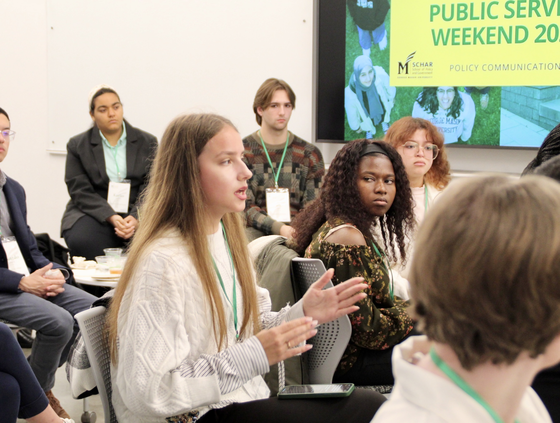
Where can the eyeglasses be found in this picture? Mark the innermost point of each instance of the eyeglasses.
(412, 148)
(8, 135)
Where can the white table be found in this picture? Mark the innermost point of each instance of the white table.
(85, 277)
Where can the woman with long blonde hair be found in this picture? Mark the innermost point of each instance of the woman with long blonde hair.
(190, 331)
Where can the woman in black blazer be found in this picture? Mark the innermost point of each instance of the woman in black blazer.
(111, 152)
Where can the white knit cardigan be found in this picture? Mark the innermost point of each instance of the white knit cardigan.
(168, 360)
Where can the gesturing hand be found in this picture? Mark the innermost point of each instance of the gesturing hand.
(329, 304)
(280, 343)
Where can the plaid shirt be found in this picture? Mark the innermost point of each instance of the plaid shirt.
(302, 173)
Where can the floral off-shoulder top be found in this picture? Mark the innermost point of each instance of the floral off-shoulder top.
(380, 322)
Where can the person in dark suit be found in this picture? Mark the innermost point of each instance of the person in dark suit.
(107, 169)
(33, 291)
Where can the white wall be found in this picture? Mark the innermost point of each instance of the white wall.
(23, 94)
(261, 38)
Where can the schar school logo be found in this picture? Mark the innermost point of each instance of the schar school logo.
(405, 66)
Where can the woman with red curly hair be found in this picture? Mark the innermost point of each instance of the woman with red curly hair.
(365, 203)
(420, 145)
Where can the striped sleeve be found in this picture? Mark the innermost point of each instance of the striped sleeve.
(233, 367)
(270, 319)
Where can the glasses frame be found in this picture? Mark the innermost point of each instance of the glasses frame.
(435, 149)
(10, 134)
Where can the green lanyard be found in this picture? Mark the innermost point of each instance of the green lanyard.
(389, 273)
(460, 382)
(425, 197)
(115, 151)
(234, 304)
(275, 174)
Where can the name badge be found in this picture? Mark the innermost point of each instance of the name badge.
(118, 196)
(16, 262)
(278, 204)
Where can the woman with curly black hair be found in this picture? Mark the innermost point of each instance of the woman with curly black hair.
(451, 110)
(365, 196)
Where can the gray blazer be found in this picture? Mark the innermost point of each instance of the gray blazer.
(86, 175)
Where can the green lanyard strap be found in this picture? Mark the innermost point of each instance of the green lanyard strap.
(234, 303)
(389, 273)
(275, 174)
(460, 382)
(425, 197)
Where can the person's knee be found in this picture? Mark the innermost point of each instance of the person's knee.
(59, 325)
(5, 331)
(9, 394)
(77, 243)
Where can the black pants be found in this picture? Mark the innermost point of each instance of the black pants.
(88, 237)
(373, 367)
(20, 393)
(360, 406)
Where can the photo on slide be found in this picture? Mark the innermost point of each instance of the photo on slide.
(477, 116)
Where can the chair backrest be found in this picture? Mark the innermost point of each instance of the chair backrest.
(92, 327)
(332, 338)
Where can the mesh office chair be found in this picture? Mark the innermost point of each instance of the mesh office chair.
(92, 327)
(332, 338)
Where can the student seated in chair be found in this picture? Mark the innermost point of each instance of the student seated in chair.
(33, 292)
(365, 200)
(287, 171)
(190, 330)
(484, 283)
(107, 170)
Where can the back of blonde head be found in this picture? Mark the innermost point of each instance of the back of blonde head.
(174, 200)
(484, 277)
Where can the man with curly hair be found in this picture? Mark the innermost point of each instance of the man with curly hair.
(451, 110)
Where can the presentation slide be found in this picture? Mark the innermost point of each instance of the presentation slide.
(484, 72)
